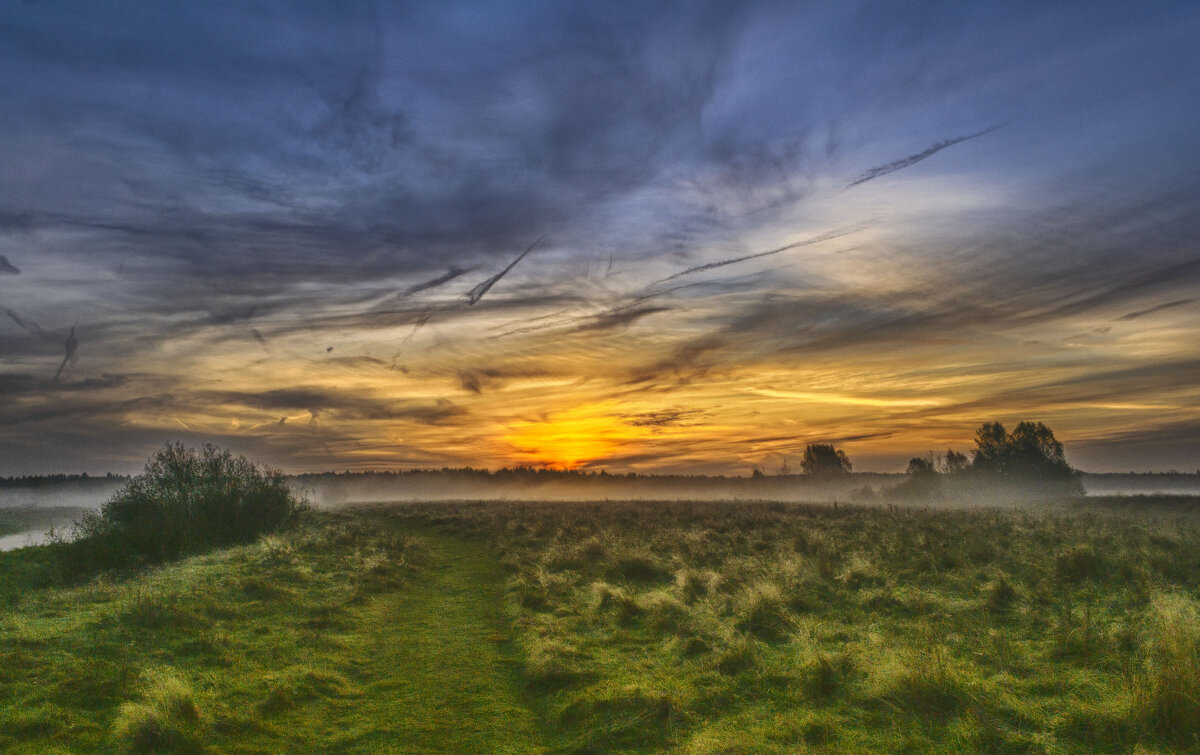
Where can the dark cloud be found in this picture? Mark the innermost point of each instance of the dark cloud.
(445, 277)
(1158, 308)
(341, 404)
(665, 418)
(8, 268)
(722, 263)
(69, 341)
(23, 384)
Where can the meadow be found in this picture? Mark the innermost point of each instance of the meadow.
(705, 627)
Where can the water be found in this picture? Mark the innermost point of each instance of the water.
(23, 539)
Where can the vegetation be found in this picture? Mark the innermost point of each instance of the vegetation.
(628, 627)
(1026, 463)
(304, 641)
(822, 460)
(185, 502)
(768, 627)
(1069, 626)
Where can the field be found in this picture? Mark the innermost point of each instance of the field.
(636, 627)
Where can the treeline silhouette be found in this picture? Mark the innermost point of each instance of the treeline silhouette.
(36, 481)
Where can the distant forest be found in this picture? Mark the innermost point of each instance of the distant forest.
(524, 473)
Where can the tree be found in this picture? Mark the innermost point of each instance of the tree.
(922, 481)
(1029, 453)
(954, 462)
(921, 466)
(823, 460)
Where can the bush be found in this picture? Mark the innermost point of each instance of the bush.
(184, 502)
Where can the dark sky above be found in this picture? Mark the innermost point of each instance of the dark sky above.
(261, 224)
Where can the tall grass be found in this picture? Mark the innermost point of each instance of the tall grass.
(165, 719)
(1167, 688)
(763, 627)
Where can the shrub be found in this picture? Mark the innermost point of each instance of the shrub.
(184, 502)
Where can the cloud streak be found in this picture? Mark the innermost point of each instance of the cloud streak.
(905, 162)
(477, 293)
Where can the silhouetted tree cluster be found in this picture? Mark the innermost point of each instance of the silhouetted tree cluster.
(1030, 451)
(823, 460)
(1030, 455)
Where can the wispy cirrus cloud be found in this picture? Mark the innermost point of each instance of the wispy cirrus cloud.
(276, 212)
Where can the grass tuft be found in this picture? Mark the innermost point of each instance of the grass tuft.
(763, 613)
(1167, 691)
(166, 720)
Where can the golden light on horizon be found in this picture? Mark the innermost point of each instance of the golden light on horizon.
(573, 437)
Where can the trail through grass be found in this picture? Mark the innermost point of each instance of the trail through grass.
(359, 634)
(443, 679)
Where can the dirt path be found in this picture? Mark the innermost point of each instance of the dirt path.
(440, 678)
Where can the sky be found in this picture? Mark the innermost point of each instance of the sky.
(670, 236)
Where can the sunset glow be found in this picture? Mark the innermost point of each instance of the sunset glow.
(745, 230)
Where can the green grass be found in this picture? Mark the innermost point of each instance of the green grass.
(349, 635)
(627, 627)
(706, 628)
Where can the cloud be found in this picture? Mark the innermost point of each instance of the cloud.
(796, 245)
(904, 162)
(1158, 308)
(221, 193)
(476, 293)
(444, 278)
(344, 405)
(665, 418)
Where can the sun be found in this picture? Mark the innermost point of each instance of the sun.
(572, 438)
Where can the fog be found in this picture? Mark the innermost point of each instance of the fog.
(336, 490)
(333, 490)
(48, 493)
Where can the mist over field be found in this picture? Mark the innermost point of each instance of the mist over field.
(333, 489)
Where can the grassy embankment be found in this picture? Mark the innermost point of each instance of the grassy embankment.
(636, 627)
(344, 636)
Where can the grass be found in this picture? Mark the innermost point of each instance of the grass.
(350, 634)
(759, 627)
(627, 627)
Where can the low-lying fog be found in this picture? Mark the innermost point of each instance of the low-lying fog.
(338, 490)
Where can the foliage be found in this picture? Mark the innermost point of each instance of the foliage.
(922, 479)
(184, 502)
(631, 627)
(822, 459)
(953, 462)
(920, 466)
(1027, 462)
(1029, 451)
